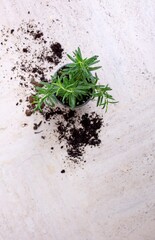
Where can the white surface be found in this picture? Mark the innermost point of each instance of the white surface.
(113, 197)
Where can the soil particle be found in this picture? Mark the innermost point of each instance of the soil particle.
(38, 34)
(13, 69)
(25, 50)
(38, 132)
(24, 124)
(28, 112)
(36, 126)
(63, 171)
(49, 59)
(31, 99)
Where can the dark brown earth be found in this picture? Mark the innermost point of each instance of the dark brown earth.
(37, 52)
(74, 131)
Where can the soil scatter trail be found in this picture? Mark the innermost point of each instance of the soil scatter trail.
(37, 55)
(76, 131)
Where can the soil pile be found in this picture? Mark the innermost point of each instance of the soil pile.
(76, 131)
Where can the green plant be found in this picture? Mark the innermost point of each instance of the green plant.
(74, 84)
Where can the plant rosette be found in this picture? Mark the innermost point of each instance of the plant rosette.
(80, 102)
(73, 85)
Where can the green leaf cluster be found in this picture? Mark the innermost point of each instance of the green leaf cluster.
(74, 83)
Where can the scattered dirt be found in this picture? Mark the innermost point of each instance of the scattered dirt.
(36, 52)
(37, 55)
(75, 131)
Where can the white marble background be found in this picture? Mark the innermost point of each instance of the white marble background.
(113, 197)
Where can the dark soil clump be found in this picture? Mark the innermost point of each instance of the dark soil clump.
(57, 49)
(25, 50)
(28, 112)
(38, 34)
(76, 131)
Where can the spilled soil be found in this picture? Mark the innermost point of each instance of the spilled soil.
(38, 55)
(75, 131)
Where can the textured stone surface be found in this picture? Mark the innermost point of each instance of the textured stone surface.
(113, 197)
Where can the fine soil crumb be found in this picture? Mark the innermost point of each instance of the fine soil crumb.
(12, 30)
(36, 126)
(25, 50)
(31, 99)
(28, 112)
(24, 124)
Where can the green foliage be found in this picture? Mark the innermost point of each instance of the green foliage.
(74, 83)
